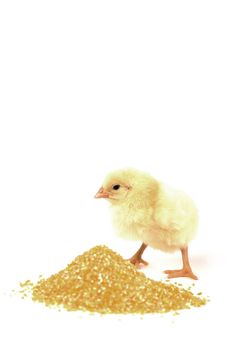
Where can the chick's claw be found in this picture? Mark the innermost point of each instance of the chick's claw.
(137, 257)
(180, 273)
(138, 261)
(171, 271)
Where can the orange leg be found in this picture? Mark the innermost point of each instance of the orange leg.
(137, 257)
(186, 271)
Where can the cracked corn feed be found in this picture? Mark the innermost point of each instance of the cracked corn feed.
(101, 281)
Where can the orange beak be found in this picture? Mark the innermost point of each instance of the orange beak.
(102, 193)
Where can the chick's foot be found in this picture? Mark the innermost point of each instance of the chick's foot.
(180, 273)
(137, 257)
(138, 261)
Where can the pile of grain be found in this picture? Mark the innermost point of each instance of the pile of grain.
(101, 281)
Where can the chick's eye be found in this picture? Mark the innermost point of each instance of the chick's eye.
(116, 187)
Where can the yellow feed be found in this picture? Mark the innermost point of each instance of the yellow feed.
(101, 281)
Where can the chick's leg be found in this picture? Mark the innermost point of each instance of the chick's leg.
(186, 271)
(137, 257)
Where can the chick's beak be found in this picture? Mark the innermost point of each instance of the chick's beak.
(102, 193)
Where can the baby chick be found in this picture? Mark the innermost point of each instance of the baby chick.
(147, 210)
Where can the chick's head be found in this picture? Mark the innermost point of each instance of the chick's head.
(128, 186)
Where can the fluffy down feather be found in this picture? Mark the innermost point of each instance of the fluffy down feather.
(147, 210)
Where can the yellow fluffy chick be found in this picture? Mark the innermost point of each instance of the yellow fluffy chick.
(149, 211)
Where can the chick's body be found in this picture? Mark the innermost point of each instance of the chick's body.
(167, 221)
(147, 210)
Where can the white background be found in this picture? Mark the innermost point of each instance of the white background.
(90, 86)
